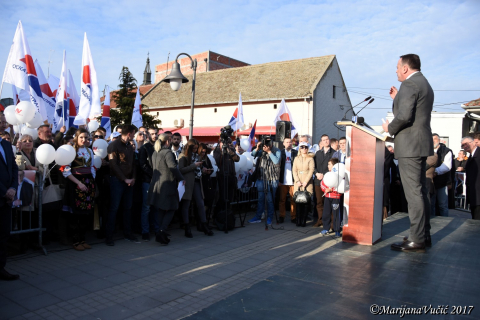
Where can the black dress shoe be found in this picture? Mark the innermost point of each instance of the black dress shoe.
(408, 246)
(5, 275)
(428, 240)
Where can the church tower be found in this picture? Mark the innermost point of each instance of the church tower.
(147, 74)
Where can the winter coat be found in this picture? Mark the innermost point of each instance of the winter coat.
(302, 170)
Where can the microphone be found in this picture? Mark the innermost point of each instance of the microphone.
(366, 105)
(366, 99)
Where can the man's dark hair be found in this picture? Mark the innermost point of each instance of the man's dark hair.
(342, 138)
(5, 133)
(333, 161)
(324, 135)
(412, 60)
(142, 127)
(435, 135)
(476, 135)
(333, 140)
(66, 139)
(167, 132)
(71, 131)
(176, 134)
(43, 126)
(102, 129)
(128, 128)
(120, 126)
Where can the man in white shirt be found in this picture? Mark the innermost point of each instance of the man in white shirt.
(286, 179)
(441, 177)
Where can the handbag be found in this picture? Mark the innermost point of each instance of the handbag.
(52, 193)
(302, 196)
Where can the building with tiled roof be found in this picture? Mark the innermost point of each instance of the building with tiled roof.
(313, 89)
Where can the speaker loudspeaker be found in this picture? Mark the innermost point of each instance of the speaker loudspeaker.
(283, 130)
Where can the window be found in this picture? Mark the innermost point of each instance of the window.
(274, 106)
(215, 110)
(158, 113)
(333, 92)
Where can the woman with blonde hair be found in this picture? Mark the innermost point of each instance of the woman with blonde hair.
(302, 170)
(191, 168)
(25, 157)
(163, 193)
(80, 189)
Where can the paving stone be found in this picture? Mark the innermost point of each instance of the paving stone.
(38, 301)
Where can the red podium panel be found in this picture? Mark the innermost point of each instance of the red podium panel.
(363, 198)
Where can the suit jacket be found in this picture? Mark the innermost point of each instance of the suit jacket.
(321, 162)
(412, 109)
(282, 163)
(26, 193)
(473, 179)
(8, 171)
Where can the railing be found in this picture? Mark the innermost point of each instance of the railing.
(460, 192)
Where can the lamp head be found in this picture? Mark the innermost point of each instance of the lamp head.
(175, 78)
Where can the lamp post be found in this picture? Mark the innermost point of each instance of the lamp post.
(176, 78)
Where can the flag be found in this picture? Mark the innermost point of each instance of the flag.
(251, 137)
(105, 123)
(284, 114)
(20, 70)
(237, 122)
(53, 83)
(61, 99)
(137, 119)
(89, 96)
(47, 94)
(16, 99)
(73, 100)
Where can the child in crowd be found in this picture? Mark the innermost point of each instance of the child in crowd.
(331, 205)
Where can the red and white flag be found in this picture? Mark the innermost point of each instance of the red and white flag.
(105, 123)
(137, 119)
(284, 114)
(89, 96)
(61, 99)
(16, 99)
(47, 94)
(20, 70)
(73, 100)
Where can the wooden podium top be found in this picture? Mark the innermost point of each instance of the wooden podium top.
(367, 130)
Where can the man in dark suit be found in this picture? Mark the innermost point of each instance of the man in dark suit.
(412, 108)
(321, 167)
(24, 191)
(8, 188)
(286, 179)
(473, 178)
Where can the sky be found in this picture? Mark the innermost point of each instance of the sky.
(366, 36)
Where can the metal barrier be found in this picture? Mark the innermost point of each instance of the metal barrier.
(245, 195)
(18, 213)
(461, 197)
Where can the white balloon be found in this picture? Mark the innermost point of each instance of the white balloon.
(16, 128)
(248, 166)
(45, 154)
(100, 148)
(64, 155)
(97, 161)
(14, 149)
(36, 122)
(330, 179)
(30, 131)
(93, 126)
(242, 162)
(341, 187)
(25, 111)
(237, 167)
(249, 157)
(245, 144)
(9, 113)
(339, 169)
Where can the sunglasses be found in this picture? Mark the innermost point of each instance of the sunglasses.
(98, 137)
(303, 147)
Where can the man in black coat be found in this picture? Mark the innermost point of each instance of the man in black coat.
(286, 179)
(472, 176)
(321, 167)
(412, 108)
(8, 188)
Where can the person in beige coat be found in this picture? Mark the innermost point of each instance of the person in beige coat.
(302, 170)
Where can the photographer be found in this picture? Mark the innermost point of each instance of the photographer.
(266, 174)
(226, 172)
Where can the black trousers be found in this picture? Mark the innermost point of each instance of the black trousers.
(5, 225)
(225, 191)
(475, 212)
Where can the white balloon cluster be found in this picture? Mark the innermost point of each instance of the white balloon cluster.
(245, 163)
(24, 118)
(336, 178)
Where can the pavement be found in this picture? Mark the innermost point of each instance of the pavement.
(293, 273)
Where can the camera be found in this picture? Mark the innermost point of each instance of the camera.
(266, 141)
(225, 134)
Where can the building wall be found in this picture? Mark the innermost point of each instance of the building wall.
(214, 61)
(205, 116)
(446, 125)
(327, 110)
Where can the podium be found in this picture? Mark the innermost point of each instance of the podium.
(363, 197)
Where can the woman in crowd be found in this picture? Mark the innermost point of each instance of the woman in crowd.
(25, 158)
(80, 189)
(191, 168)
(302, 170)
(102, 200)
(209, 183)
(163, 192)
(139, 139)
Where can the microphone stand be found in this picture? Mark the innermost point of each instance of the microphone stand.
(366, 99)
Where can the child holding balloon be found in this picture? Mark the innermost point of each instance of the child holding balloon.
(331, 204)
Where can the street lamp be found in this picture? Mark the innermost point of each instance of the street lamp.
(176, 78)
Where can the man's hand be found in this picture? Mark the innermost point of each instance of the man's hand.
(385, 126)
(267, 149)
(198, 164)
(393, 92)
(319, 176)
(17, 203)
(63, 129)
(10, 194)
(258, 146)
(459, 169)
(130, 182)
